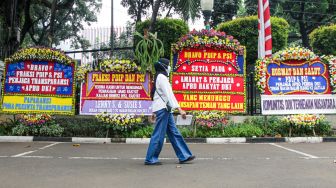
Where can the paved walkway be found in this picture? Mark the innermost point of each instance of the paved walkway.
(53, 164)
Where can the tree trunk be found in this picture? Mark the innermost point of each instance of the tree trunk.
(52, 23)
(303, 29)
(304, 35)
(27, 21)
(139, 11)
(154, 15)
(10, 21)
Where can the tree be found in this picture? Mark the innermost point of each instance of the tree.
(136, 8)
(224, 11)
(124, 40)
(188, 9)
(303, 16)
(67, 16)
(10, 14)
(308, 15)
(46, 23)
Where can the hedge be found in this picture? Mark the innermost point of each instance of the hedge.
(323, 40)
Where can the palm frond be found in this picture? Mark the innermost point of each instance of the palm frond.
(189, 8)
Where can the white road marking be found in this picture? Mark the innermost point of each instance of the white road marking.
(39, 157)
(29, 152)
(49, 145)
(166, 158)
(295, 151)
(138, 158)
(224, 158)
(25, 153)
(173, 158)
(109, 158)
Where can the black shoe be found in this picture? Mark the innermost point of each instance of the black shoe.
(189, 159)
(157, 163)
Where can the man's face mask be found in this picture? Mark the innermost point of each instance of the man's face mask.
(169, 69)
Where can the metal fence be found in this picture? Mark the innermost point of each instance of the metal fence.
(252, 96)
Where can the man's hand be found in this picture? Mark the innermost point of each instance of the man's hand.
(152, 118)
(183, 113)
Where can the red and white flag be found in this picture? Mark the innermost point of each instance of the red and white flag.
(264, 27)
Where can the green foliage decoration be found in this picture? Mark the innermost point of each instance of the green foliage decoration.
(148, 50)
(168, 31)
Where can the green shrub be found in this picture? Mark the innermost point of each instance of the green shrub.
(143, 132)
(53, 130)
(246, 31)
(242, 130)
(204, 132)
(230, 130)
(21, 130)
(273, 126)
(323, 40)
(321, 129)
(82, 126)
(168, 31)
(324, 129)
(186, 132)
(6, 128)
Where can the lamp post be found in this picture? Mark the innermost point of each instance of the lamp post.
(112, 31)
(207, 6)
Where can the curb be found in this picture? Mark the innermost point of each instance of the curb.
(295, 140)
(91, 140)
(137, 140)
(329, 139)
(225, 140)
(16, 138)
(52, 139)
(231, 140)
(265, 140)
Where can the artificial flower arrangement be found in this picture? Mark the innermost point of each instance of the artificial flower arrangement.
(208, 39)
(299, 120)
(290, 53)
(331, 61)
(260, 73)
(109, 65)
(303, 120)
(210, 119)
(34, 119)
(40, 53)
(119, 121)
(294, 53)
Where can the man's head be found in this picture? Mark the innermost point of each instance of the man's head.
(162, 66)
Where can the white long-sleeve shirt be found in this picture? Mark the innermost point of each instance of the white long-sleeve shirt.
(163, 88)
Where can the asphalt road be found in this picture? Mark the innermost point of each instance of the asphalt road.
(48, 164)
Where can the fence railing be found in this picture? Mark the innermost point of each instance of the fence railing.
(252, 96)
